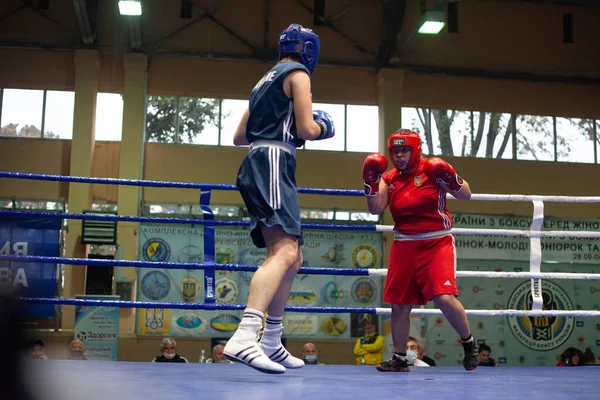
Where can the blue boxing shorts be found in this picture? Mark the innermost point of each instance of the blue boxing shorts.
(267, 182)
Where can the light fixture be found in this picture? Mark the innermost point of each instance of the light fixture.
(431, 22)
(130, 7)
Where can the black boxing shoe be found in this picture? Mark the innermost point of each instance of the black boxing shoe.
(394, 364)
(471, 358)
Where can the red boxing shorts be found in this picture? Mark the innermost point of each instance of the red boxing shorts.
(419, 270)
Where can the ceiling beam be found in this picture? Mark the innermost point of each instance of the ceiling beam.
(85, 23)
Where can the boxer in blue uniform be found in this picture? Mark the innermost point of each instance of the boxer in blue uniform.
(279, 119)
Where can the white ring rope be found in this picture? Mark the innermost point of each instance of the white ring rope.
(509, 275)
(508, 232)
(523, 197)
(496, 313)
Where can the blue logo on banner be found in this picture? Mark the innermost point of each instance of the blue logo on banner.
(579, 324)
(501, 360)
(31, 237)
(597, 342)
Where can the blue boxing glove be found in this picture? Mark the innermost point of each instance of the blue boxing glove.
(324, 120)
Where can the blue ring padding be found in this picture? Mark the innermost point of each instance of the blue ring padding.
(174, 265)
(191, 306)
(209, 247)
(165, 184)
(157, 220)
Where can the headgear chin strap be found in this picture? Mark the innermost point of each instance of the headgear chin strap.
(296, 39)
(406, 138)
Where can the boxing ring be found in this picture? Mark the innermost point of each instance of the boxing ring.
(128, 380)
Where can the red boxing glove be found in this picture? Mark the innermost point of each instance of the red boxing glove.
(375, 164)
(440, 171)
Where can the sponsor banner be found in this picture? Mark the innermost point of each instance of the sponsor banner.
(233, 245)
(98, 328)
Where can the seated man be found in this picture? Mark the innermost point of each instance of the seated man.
(218, 356)
(168, 349)
(484, 356)
(310, 355)
(77, 350)
(414, 353)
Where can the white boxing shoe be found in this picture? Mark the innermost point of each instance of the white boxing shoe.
(270, 343)
(248, 351)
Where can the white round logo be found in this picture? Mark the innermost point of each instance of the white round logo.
(541, 333)
(226, 291)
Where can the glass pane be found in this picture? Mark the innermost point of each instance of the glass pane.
(160, 119)
(535, 138)
(418, 120)
(363, 216)
(342, 215)
(6, 203)
(198, 120)
(575, 138)
(109, 117)
(22, 113)
(499, 135)
(104, 207)
(60, 107)
(335, 143)
(453, 130)
(362, 132)
(231, 114)
(597, 140)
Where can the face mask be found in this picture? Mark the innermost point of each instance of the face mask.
(310, 359)
(76, 353)
(169, 356)
(411, 356)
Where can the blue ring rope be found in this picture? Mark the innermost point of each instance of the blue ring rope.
(174, 265)
(191, 306)
(161, 220)
(165, 184)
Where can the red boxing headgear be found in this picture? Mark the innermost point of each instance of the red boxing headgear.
(406, 138)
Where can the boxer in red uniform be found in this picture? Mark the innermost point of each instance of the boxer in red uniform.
(422, 264)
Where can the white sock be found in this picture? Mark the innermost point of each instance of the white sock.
(272, 334)
(251, 321)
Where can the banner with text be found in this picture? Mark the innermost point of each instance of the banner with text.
(233, 245)
(98, 328)
(33, 237)
(497, 247)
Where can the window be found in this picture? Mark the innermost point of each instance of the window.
(231, 114)
(198, 121)
(575, 140)
(362, 128)
(109, 117)
(336, 143)
(22, 113)
(419, 120)
(535, 138)
(492, 135)
(58, 118)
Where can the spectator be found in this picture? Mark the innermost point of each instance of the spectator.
(571, 357)
(310, 354)
(218, 356)
(168, 349)
(484, 356)
(36, 350)
(369, 348)
(77, 350)
(588, 357)
(414, 353)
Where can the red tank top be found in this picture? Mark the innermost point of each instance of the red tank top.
(417, 204)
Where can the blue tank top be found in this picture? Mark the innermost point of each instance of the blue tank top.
(271, 111)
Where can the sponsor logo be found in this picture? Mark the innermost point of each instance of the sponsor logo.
(364, 291)
(301, 295)
(188, 321)
(225, 323)
(155, 285)
(156, 250)
(364, 256)
(226, 291)
(541, 333)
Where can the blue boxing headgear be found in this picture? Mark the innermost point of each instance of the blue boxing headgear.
(296, 39)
